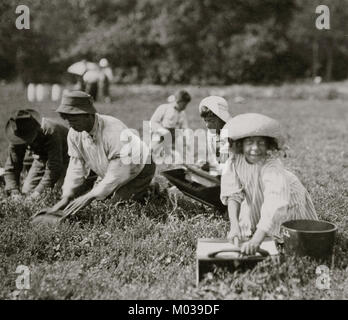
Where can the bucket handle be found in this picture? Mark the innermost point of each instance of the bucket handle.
(263, 252)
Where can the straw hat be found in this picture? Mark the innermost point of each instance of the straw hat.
(217, 105)
(77, 102)
(253, 124)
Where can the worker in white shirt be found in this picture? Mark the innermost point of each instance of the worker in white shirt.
(167, 119)
(105, 145)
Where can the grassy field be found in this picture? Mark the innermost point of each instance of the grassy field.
(148, 252)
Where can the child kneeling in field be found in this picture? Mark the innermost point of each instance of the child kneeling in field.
(255, 173)
(164, 122)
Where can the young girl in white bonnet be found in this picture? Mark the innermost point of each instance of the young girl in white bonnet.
(214, 111)
(255, 173)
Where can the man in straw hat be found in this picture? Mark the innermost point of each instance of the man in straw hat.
(105, 145)
(47, 141)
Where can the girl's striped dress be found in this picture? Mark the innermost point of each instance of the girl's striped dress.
(272, 193)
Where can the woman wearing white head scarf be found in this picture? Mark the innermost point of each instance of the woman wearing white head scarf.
(214, 111)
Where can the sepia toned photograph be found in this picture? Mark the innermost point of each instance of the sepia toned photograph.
(156, 150)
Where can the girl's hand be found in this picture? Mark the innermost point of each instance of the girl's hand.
(250, 247)
(234, 235)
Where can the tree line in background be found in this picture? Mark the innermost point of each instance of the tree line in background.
(177, 41)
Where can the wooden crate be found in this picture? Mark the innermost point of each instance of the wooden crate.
(212, 253)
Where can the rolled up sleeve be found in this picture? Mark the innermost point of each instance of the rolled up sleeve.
(126, 159)
(77, 171)
(75, 176)
(231, 187)
(117, 175)
(54, 164)
(157, 117)
(14, 166)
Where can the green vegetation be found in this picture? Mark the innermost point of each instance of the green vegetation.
(178, 41)
(148, 252)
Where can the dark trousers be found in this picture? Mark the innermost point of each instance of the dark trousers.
(104, 87)
(35, 170)
(92, 89)
(136, 189)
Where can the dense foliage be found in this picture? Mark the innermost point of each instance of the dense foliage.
(177, 41)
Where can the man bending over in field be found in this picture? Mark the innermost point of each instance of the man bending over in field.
(46, 139)
(105, 145)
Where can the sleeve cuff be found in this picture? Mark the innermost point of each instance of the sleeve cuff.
(238, 197)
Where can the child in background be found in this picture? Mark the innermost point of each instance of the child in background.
(166, 119)
(106, 77)
(214, 111)
(255, 173)
(91, 80)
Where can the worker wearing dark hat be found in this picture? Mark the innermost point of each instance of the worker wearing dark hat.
(46, 139)
(104, 145)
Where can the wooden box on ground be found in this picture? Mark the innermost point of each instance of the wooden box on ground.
(212, 253)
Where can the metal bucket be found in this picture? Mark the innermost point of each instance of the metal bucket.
(309, 238)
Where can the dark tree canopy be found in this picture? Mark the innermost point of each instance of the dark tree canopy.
(177, 41)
